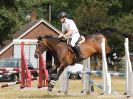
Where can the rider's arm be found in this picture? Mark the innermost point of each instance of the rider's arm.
(69, 32)
(62, 33)
(71, 28)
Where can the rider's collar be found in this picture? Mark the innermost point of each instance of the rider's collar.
(65, 20)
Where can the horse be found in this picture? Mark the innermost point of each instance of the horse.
(64, 55)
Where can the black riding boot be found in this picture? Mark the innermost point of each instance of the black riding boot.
(78, 53)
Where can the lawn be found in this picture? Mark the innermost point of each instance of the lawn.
(75, 87)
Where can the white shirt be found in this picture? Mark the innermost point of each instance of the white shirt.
(69, 24)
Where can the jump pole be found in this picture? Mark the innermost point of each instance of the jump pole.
(25, 73)
(86, 85)
(129, 73)
(13, 83)
(106, 75)
(43, 73)
(64, 81)
(86, 77)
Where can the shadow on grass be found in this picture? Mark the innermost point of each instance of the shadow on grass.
(55, 96)
(46, 96)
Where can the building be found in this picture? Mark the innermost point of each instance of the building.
(31, 31)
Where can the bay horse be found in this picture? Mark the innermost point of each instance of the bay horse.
(63, 54)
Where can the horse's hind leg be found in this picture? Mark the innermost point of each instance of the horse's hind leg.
(55, 78)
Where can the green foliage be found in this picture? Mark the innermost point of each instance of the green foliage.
(8, 24)
(13, 16)
(127, 6)
(93, 17)
(125, 24)
(89, 15)
(68, 6)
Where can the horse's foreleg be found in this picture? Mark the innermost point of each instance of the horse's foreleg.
(52, 72)
(52, 69)
(52, 82)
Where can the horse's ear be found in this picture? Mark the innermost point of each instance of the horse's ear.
(39, 37)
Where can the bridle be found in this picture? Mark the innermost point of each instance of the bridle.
(48, 47)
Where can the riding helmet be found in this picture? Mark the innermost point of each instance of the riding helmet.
(62, 15)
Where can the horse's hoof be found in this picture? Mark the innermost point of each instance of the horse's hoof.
(50, 89)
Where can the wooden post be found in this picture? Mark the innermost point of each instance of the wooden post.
(25, 73)
(43, 73)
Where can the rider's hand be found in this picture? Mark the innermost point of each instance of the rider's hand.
(61, 35)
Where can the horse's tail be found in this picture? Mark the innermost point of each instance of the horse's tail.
(115, 53)
(110, 31)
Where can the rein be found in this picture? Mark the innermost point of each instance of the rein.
(52, 45)
(58, 40)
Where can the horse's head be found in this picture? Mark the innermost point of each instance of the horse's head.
(41, 46)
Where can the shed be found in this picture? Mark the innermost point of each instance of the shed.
(31, 31)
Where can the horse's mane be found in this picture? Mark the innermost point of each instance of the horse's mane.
(50, 36)
(53, 37)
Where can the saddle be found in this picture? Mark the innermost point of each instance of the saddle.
(80, 40)
(76, 49)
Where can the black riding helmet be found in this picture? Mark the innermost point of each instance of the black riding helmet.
(62, 15)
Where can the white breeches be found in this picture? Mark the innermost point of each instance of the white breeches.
(74, 38)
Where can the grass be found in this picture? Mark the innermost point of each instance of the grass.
(75, 87)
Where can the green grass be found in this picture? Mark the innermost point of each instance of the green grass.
(75, 87)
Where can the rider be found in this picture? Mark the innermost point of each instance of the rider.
(69, 31)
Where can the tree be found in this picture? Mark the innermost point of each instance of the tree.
(13, 16)
(93, 17)
(125, 25)
(8, 24)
